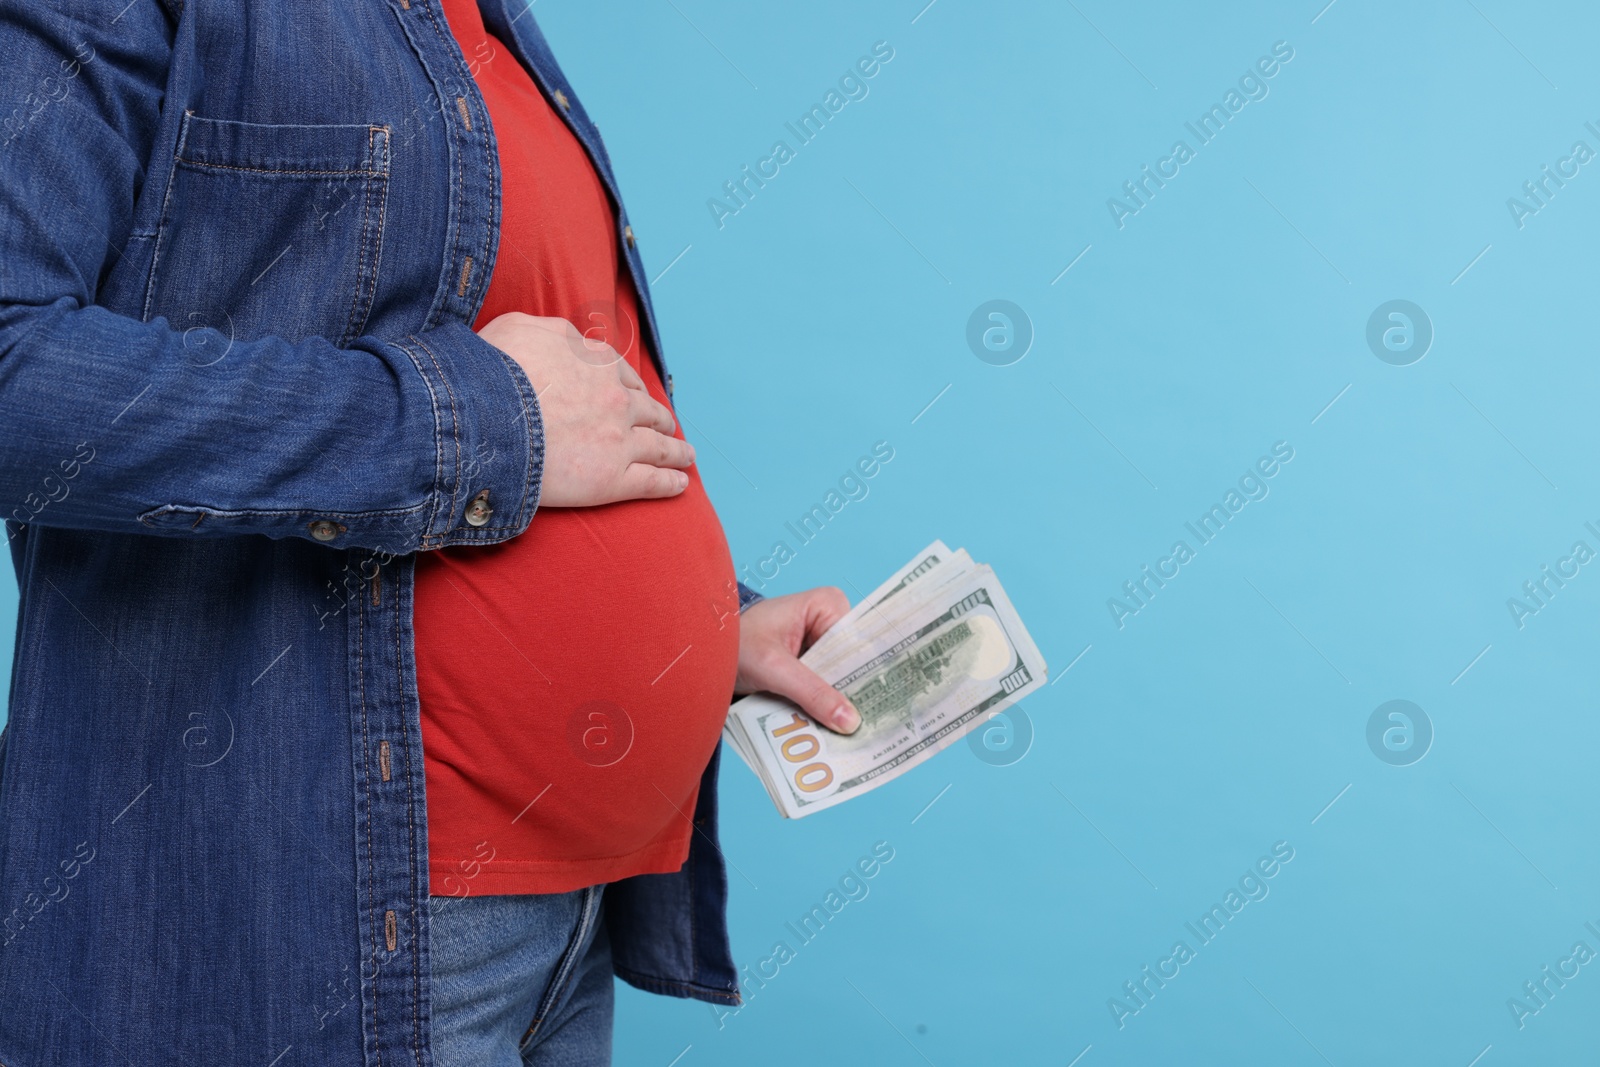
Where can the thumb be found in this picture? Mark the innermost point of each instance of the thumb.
(788, 677)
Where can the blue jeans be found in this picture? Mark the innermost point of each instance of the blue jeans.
(521, 981)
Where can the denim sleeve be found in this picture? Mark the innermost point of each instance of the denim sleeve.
(748, 596)
(111, 423)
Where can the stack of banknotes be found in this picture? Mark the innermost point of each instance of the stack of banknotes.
(932, 653)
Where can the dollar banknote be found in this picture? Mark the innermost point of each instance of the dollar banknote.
(932, 653)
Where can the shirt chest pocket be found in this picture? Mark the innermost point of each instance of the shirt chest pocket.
(271, 229)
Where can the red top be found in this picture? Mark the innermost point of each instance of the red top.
(574, 679)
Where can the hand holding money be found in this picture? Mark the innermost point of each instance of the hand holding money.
(926, 657)
(772, 634)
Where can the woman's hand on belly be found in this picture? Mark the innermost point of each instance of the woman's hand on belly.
(773, 633)
(605, 438)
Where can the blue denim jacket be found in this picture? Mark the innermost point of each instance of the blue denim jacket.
(241, 244)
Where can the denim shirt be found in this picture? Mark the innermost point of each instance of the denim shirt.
(241, 247)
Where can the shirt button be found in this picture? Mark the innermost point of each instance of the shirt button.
(324, 530)
(627, 235)
(561, 98)
(478, 511)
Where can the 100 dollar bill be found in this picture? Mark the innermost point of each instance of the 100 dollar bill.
(920, 682)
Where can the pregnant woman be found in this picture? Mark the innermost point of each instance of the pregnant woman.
(376, 630)
(575, 678)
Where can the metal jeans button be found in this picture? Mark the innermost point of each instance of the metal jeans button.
(478, 511)
(324, 530)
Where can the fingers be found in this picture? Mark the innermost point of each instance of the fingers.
(658, 450)
(645, 411)
(788, 677)
(644, 481)
(651, 474)
(630, 377)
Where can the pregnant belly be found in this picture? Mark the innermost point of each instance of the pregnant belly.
(573, 683)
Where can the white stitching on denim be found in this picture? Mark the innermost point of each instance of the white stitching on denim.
(200, 164)
(438, 445)
(455, 424)
(411, 836)
(161, 222)
(450, 135)
(366, 292)
(530, 419)
(364, 762)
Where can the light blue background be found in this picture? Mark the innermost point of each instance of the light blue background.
(1224, 317)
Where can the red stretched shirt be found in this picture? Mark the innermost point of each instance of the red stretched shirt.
(574, 679)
